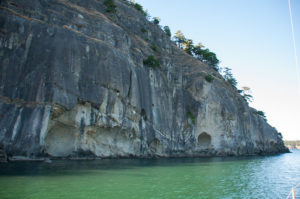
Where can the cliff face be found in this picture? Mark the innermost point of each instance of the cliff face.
(73, 83)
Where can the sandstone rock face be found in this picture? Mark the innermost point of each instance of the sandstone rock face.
(73, 83)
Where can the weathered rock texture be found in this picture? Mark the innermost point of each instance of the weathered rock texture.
(73, 83)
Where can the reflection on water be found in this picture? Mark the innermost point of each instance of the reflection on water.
(230, 177)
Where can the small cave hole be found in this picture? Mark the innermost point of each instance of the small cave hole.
(204, 139)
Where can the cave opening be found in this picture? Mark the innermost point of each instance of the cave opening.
(204, 139)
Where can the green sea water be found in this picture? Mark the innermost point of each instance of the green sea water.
(173, 178)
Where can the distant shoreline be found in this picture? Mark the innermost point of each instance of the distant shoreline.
(292, 144)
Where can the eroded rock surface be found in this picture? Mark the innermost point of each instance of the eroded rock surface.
(73, 83)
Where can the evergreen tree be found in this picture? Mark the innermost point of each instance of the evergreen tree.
(229, 77)
(188, 46)
(156, 20)
(262, 114)
(245, 93)
(210, 58)
(205, 55)
(179, 39)
(167, 30)
(197, 50)
(110, 6)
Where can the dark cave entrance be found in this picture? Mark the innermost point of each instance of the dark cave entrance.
(204, 139)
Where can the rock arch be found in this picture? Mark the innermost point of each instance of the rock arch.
(204, 140)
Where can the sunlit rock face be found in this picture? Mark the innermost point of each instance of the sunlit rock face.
(73, 84)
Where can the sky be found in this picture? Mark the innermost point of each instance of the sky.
(254, 39)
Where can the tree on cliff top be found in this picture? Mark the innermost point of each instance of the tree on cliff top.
(245, 93)
(139, 7)
(167, 30)
(188, 46)
(179, 38)
(262, 114)
(156, 20)
(229, 77)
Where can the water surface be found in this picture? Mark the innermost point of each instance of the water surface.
(186, 178)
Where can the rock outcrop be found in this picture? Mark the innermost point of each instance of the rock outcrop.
(73, 84)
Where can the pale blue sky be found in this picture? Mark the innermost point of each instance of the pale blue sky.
(253, 37)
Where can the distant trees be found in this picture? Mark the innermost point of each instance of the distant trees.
(138, 7)
(188, 46)
(179, 39)
(151, 62)
(292, 143)
(209, 78)
(167, 31)
(229, 77)
(198, 51)
(156, 20)
(262, 115)
(206, 56)
(210, 58)
(110, 6)
(245, 93)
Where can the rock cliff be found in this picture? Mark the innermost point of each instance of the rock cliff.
(73, 84)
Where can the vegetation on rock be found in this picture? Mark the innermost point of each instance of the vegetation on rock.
(188, 46)
(156, 20)
(143, 30)
(262, 114)
(154, 47)
(167, 31)
(151, 61)
(209, 78)
(206, 56)
(191, 116)
(245, 93)
(198, 51)
(179, 39)
(139, 7)
(110, 6)
(229, 77)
